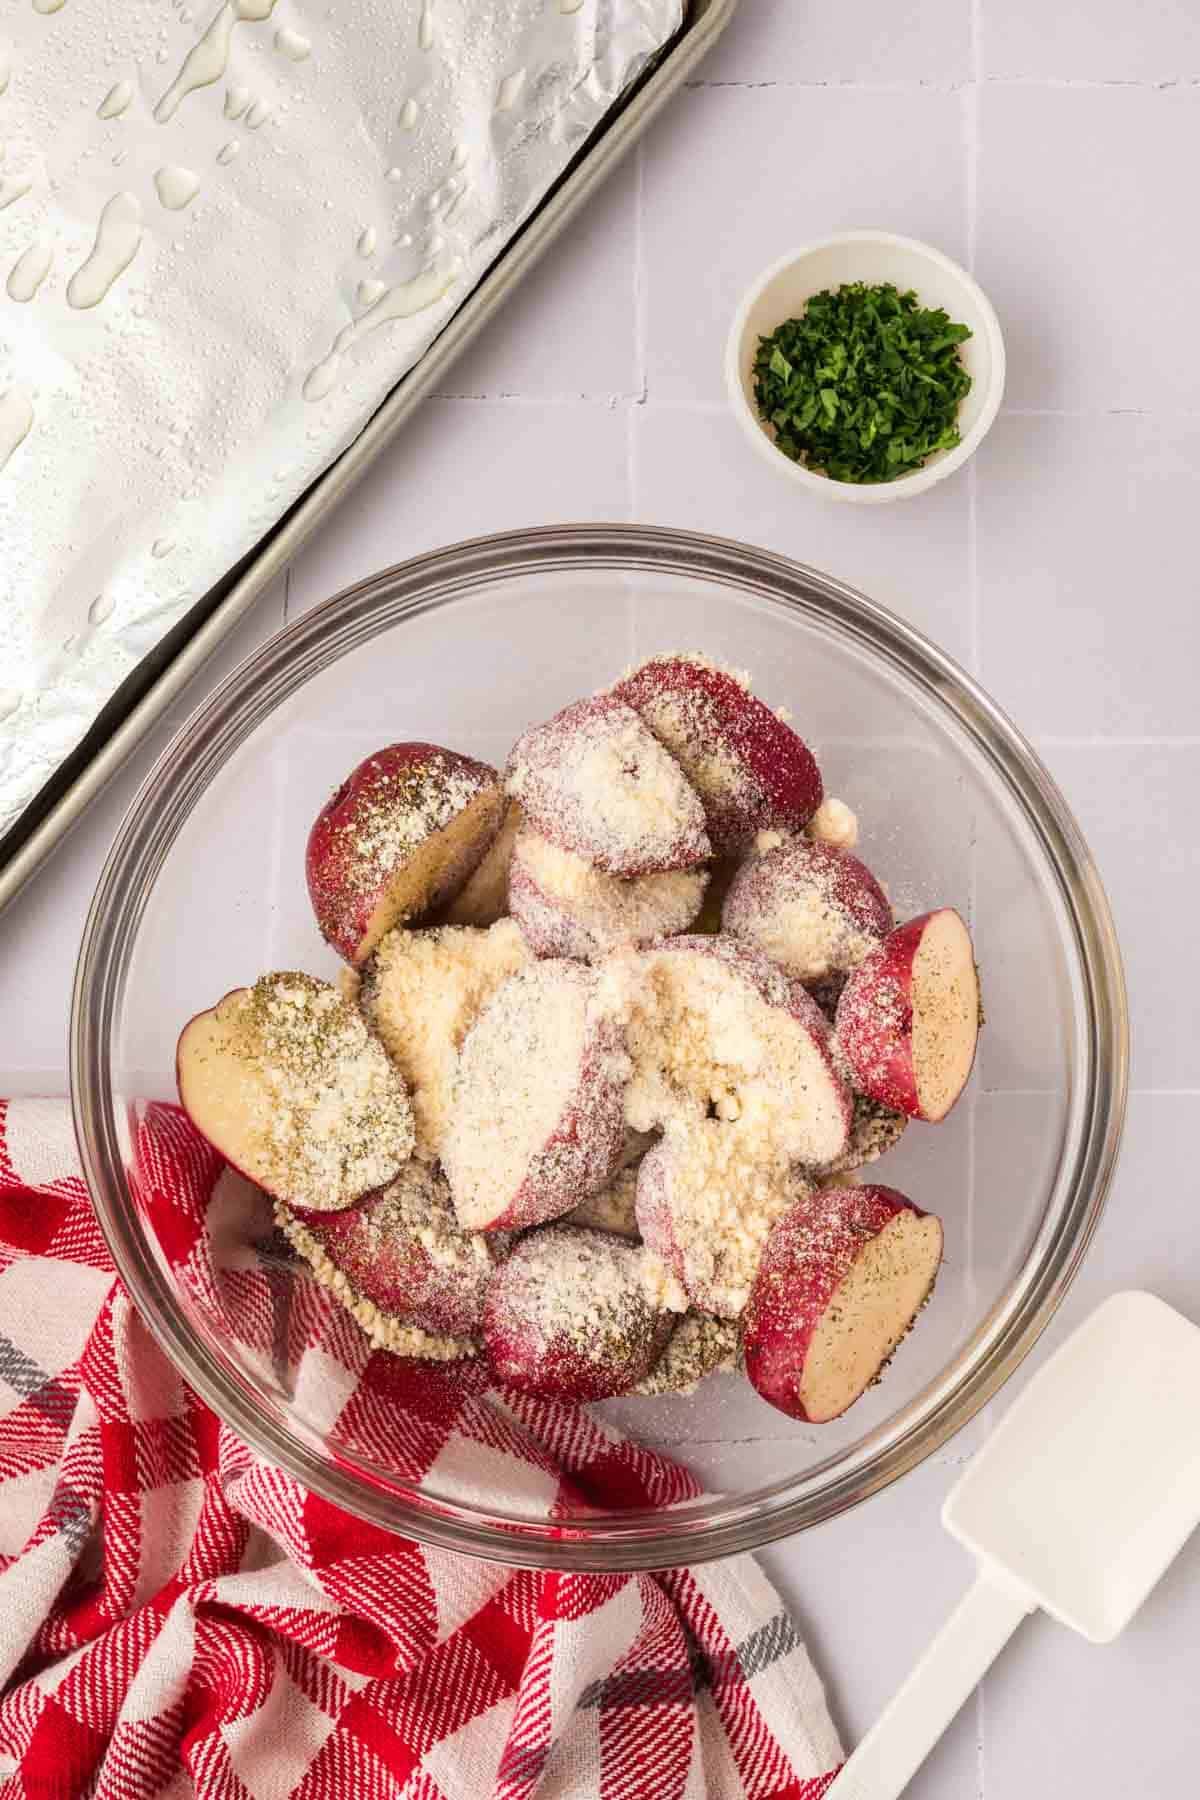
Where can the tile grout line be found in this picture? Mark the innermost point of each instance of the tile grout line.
(916, 85)
(621, 398)
(971, 126)
(640, 372)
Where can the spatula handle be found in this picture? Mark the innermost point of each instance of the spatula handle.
(959, 1656)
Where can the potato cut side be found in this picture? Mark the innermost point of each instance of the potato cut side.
(565, 907)
(715, 1029)
(286, 1082)
(872, 1308)
(537, 1121)
(483, 897)
(433, 869)
(945, 1002)
(421, 993)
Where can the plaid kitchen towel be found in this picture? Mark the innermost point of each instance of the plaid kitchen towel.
(178, 1618)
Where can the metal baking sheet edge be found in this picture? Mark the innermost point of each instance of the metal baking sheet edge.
(186, 649)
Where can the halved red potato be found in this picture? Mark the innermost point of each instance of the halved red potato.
(750, 768)
(813, 909)
(594, 781)
(285, 1080)
(842, 1278)
(908, 1018)
(483, 897)
(398, 838)
(402, 1249)
(421, 992)
(567, 1316)
(698, 1346)
(707, 1197)
(565, 907)
(716, 1029)
(537, 1122)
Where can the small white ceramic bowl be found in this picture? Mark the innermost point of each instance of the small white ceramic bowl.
(870, 256)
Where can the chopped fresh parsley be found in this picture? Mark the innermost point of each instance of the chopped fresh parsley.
(865, 384)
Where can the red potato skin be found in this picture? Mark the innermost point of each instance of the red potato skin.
(547, 927)
(531, 781)
(344, 896)
(400, 1276)
(850, 884)
(874, 1021)
(520, 1357)
(792, 1290)
(780, 767)
(653, 1206)
(584, 1152)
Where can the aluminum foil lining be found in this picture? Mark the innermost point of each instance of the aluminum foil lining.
(226, 230)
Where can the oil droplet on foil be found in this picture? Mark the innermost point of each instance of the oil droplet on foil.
(409, 114)
(397, 303)
(5, 69)
(162, 547)
(237, 99)
(13, 189)
(370, 291)
(368, 238)
(292, 45)
(569, 6)
(29, 271)
(176, 186)
(116, 101)
(118, 236)
(510, 90)
(461, 157)
(16, 418)
(258, 115)
(102, 608)
(394, 174)
(228, 151)
(48, 6)
(208, 59)
(424, 28)
(10, 699)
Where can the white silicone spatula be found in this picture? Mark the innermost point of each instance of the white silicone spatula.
(1077, 1503)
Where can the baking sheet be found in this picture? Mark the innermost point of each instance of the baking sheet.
(178, 657)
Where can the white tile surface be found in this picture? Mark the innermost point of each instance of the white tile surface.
(696, 469)
(463, 468)
(1139, 806)
(1079, 197)
(1092, 40)
(1084, 194)
(807, 163)
(853, 41)
(1107, 507)
(1121, 1718)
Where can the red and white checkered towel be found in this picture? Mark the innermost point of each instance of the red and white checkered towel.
(177, 1618)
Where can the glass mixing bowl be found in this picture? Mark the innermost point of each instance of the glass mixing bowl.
(204, 889)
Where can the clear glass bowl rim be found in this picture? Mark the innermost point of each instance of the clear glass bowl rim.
(731, 1524)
